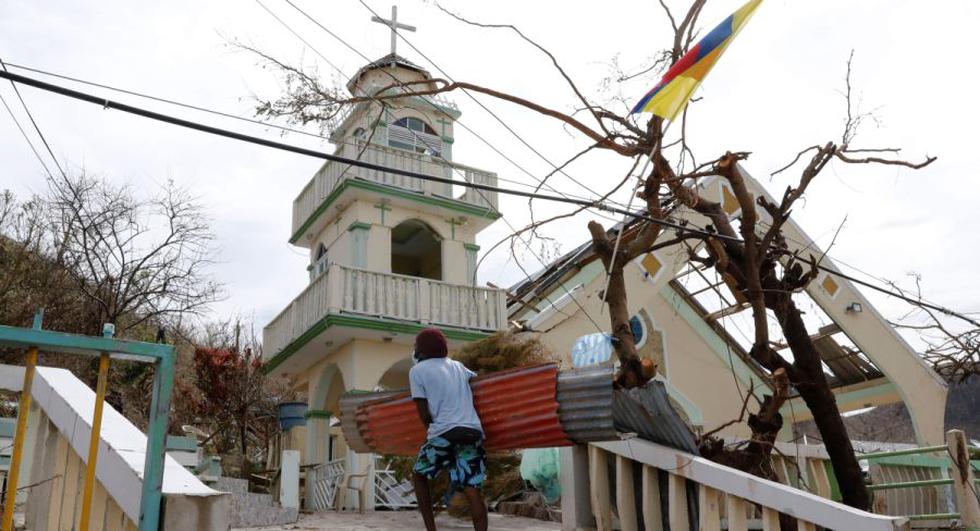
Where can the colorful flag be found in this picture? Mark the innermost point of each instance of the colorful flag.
(671, 95)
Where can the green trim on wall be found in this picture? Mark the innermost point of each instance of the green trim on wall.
(448, 139)
(359, 225)
(471, 247)
(450, 204)
(363, 323)
(317, 414)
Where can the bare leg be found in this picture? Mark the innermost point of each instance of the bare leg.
(478, 509)
(424, 498)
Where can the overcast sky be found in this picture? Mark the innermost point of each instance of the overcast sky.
(773, 93)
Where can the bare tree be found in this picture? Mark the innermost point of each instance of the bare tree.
(952, 348)
(754, 258)
(137, 260)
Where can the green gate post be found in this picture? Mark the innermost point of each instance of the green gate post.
(151, 499)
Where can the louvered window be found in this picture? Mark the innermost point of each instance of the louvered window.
(413, 134)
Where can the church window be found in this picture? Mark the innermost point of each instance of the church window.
(639, 330)
(413, 134)
(416, 250)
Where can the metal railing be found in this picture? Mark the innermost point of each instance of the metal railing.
(355, 291)
(332, 174)
(160, 356)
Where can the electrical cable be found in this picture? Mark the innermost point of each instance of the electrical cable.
(110, 104)
(457, 122)
(491, 113)
(195, 107)
(27, 138)
(34, 123)
(164, 100)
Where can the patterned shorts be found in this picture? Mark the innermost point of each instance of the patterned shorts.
(466, 462)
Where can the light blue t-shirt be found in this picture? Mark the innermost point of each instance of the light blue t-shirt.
(445, 383)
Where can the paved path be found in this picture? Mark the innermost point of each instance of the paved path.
(404, 521)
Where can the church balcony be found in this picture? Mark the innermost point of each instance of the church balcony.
(346, 302)
(337, 183)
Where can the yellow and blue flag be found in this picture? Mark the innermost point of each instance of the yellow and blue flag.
(669, 97)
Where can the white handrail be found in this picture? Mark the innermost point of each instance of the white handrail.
(715, 479)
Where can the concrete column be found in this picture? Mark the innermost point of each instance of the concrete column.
(289, 480)
(576, 507)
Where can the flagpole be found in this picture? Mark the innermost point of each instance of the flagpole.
(629, 205)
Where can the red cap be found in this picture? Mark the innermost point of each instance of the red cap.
(431, 343)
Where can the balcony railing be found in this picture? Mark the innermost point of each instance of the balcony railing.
(332, 174)
(348, 290)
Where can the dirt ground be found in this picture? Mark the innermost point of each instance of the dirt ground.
(403, 521)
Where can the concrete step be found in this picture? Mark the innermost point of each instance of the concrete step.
(251, 509)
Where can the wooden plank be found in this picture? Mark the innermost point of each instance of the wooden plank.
(817, 478)
(709, 509)
(736, 511)
(810, 507)
(625, 499)
(677, 503)
(66, 517)
(99, 499)
(599, 488)
(652, 513)
(58, 483)
(770, 519)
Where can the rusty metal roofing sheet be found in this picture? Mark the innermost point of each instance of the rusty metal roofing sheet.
(348, 423)
(518, 409)
(647, 412)
(585, 404)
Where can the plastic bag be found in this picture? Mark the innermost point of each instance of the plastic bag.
(540, 467)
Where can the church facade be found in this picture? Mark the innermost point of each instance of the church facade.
(388, 256)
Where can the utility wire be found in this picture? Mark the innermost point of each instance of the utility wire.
(682, 229)
(165, 100)
(27, 138)
(195, 107)
(516, 135)
(457, 122)
(34, 123)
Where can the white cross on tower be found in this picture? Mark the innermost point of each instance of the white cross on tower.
(394, 25)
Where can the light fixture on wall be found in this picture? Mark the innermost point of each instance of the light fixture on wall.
(854, 307)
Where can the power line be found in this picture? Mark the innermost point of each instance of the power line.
(516, 135)
(27, 138)
(192, 106)
(397, 81)
(110, 104)
(166, 100)
(34, 123)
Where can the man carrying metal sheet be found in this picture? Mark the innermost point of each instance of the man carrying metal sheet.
(454, 441)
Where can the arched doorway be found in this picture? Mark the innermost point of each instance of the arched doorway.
(416, 250)
(323, 440)
(396, 377)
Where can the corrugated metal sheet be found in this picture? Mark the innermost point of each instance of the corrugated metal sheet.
(348, 423)
(518, 409)
(391, 426)
(647, 412)
(585, 404)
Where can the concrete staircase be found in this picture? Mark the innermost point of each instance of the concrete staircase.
(249, 509)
